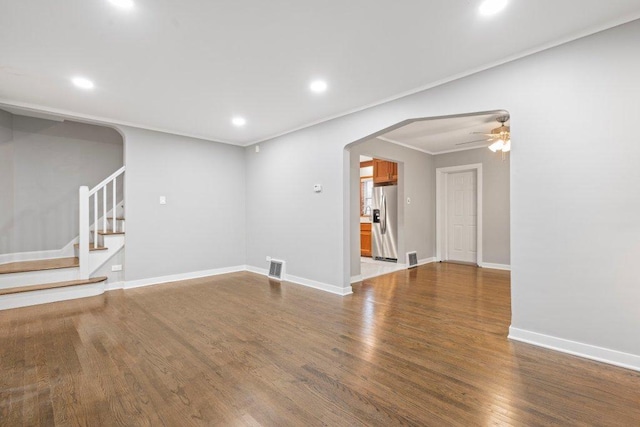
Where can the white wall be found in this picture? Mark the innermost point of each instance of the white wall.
(575, 186)
(49, 161)
(202, 226)
(416, 221)
(495, 199)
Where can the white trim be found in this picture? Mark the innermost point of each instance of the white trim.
(66, 251)
(257, 270)
(356, 279)
(45, 296)
(433, 153)
(588, 351)
(28, 278)
(73, 292)
(319, 285)
(114, 286)
(505, 267)
(107, 180)
(441, 223)
(106, 121)
(578, 35)
(402, 144)
(304, 282)
(130, 284)
(456, 150)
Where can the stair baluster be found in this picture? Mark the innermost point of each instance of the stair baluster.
(85, 228)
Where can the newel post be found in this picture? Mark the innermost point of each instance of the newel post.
(83, 239)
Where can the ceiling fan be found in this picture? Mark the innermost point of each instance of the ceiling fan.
(500, 137)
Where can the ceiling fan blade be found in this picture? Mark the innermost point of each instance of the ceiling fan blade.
(472, 142)
(490, 135)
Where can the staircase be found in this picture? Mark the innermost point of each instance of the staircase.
(101, 236)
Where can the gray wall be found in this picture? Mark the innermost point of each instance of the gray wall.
(50, 161)
(6, 126)
(416, 221)
(574, 199)
(6, 180)
(202, 226)
(495, 199)
(285, 218)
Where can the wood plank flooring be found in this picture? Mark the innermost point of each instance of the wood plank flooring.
(421, 347)
(54, 285)
(42, 264)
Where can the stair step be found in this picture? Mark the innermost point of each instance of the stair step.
(37, 265)
(92, 248)
(110, 233)
(52, 285)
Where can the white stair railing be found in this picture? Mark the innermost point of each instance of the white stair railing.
(85, 196)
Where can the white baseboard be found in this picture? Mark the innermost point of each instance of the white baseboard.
(257, 270)
(114, 286)
(356, 279)
(426, 261)
(319, 285)
(68, 293)
(130, 284)
(505, 267)
(304, 282)
(588, 351)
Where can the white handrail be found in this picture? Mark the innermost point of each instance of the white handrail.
(85, 198)
(106, 180)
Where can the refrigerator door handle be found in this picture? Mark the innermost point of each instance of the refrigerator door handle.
(383, 219)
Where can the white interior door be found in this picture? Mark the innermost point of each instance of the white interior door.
(462, 217)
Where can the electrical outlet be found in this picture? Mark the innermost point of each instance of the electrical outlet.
(163, 200)
(257, 148)
(116, 268)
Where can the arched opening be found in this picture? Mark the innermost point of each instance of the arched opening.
(432, 154)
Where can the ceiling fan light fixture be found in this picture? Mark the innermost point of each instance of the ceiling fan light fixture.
(507, 146)
(498, 145)
(491, 7)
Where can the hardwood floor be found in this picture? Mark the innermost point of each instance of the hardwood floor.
(421, 347)
(43, 264)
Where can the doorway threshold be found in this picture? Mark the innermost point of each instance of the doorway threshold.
(370, 267)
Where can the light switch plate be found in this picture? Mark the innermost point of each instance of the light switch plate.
(317, 188)
(163, 200)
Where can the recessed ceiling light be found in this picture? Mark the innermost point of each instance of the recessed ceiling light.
(491, 7)
(123, 4)
(82, 83)
(318, 86)
(239, 121)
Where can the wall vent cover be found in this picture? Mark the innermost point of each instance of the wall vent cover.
(412, 259)
(276, 269)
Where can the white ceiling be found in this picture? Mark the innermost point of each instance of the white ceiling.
(446, 134)
(189, 66)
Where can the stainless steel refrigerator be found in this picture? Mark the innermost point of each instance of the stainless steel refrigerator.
(385, 223)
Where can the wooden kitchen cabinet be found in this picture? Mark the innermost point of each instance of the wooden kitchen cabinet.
(365, 239)
(385, 172)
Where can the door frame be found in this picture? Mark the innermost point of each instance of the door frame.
(441, 209)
